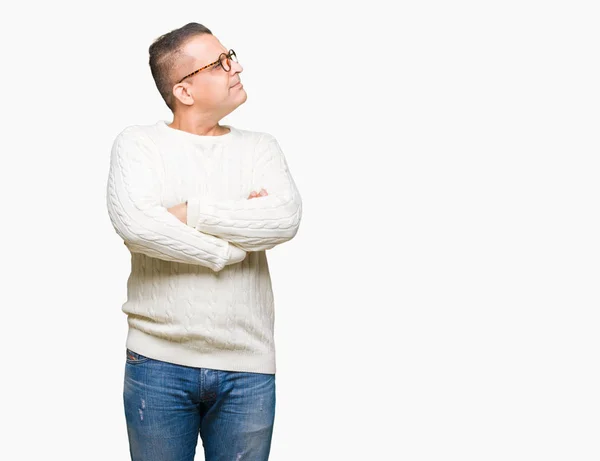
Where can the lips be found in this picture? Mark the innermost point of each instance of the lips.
(236, 84)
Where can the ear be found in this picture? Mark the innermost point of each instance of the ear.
(183, 93)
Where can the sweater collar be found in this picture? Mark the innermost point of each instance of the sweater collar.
(164, 127)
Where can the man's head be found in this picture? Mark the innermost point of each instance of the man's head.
(210, 91)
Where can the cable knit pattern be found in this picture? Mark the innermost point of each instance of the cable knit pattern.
(199, 294)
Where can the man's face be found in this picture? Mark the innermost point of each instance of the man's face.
(213, 90)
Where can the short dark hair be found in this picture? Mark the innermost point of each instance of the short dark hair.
(164, 53)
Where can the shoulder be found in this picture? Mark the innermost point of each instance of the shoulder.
(133, 132)
(136, 136)
(265, 137)
(135, 141)
(254, 137)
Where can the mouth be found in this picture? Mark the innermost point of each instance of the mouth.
(238, 83)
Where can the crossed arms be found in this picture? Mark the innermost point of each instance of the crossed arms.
(214, 233)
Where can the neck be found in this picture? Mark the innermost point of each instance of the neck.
(199, 126)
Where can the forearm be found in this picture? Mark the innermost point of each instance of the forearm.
(258, 223)
(254, 243)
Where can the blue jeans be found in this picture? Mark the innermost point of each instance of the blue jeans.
(168, 405)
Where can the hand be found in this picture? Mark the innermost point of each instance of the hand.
(180, 212)
(262, 193)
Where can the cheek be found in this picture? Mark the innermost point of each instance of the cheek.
(219, 90)
(212, 93)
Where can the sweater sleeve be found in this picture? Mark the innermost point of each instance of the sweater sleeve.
(133, 199)
(259, 223)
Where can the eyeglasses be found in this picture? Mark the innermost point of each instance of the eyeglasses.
(224, 61)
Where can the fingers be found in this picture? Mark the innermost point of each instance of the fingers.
(262, 193)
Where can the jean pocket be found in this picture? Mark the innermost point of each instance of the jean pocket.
(134, 357)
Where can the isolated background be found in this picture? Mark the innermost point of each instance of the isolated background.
(440, 300)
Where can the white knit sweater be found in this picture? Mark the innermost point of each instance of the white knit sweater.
(200, 294)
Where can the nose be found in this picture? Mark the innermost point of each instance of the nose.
(236, 67)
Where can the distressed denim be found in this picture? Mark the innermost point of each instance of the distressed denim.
(167, 406)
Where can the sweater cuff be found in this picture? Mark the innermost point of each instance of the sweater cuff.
(235, 254)
(193, 211)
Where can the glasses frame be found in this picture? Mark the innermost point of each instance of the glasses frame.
(227, 55)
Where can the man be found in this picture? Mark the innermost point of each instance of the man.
(197, 204)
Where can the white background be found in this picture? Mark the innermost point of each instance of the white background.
(440, 300)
